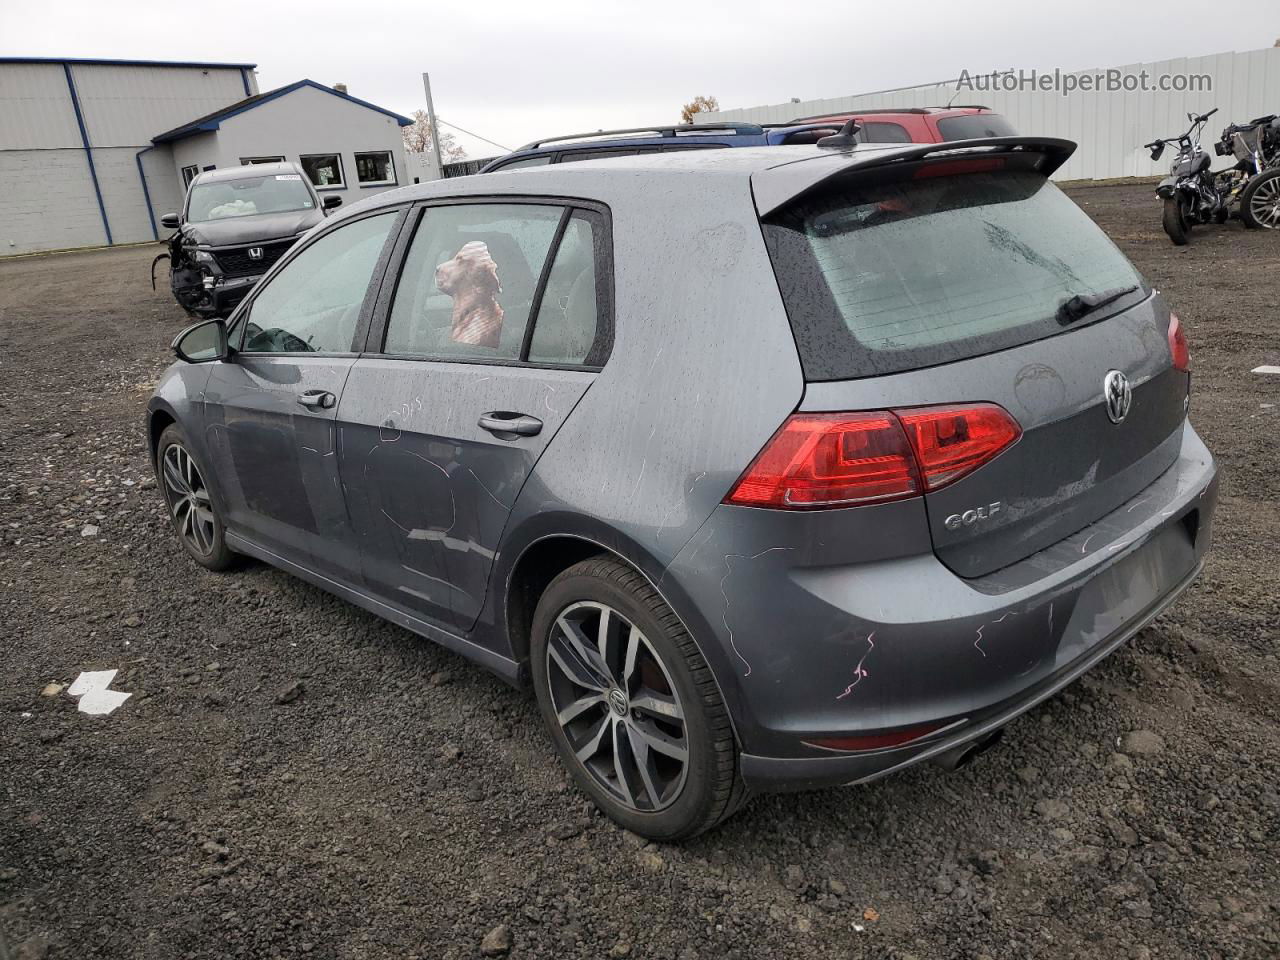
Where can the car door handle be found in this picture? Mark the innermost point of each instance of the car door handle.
(500, 422)
(317, 399)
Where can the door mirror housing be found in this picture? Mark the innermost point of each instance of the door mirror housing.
(331, 202)
(202, 342)
(169, 221)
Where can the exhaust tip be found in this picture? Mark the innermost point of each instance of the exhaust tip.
(960, 756)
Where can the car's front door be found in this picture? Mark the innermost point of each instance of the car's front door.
(498, 323)
(271, 407)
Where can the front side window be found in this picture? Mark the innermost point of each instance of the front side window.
(250, 161)
(375, 168)
(974, 126)
(891, 272)
(323, 169)
(538, 161)
(313, 304)
(246, 196)
(189, 173)
(469, 280)
(568, 322)
(883, 132)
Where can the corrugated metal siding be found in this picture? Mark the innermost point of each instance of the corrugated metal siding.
(47, 202)
(128, 105)
(35, 107)
(1109, 127)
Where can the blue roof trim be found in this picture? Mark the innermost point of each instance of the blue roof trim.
(214, 120)
(130, 63)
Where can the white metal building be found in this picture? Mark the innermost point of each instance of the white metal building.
(94, 151)
(1110, 127)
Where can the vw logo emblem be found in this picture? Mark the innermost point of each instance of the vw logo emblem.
(618, 700)
(255, 253)
(1117, 395)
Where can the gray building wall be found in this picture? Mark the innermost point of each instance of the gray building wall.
(1109, 127)
(304, 121)
(47, 196)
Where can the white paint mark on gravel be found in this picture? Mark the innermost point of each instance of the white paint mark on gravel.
(1268, 369)
(95, 698)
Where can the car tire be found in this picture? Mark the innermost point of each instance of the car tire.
(1260, 201)
(637, 786)
(190, 504)
(1175, 221)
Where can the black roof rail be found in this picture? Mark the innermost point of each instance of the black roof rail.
(861, 113)
(664, 130)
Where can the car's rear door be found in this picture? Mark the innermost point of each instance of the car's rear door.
(942, 284)
(271, 406)
(484, 342)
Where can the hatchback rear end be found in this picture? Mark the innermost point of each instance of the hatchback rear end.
(989, 483)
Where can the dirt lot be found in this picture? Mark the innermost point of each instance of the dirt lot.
(406, 804)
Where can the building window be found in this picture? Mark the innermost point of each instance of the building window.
(189, 173)
(249, 161)
(375, 168)
(324, 169)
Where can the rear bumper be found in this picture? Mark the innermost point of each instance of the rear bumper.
(807, 646)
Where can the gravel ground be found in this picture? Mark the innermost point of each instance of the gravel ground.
(293, 777)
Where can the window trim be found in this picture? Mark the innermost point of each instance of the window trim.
(391, 165)
(342, 172)
(603, 238)
(236, 329)
(253, 161)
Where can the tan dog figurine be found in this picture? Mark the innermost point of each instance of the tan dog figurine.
(471, 278)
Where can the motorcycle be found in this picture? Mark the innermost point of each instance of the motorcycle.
(1256, 148)
(1191, 194)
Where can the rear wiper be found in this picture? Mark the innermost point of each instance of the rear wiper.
(1083, 304)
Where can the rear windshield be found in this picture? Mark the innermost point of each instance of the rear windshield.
(223, 199)
(886, 275)
(974, 125)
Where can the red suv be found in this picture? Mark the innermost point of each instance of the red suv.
(922, 124)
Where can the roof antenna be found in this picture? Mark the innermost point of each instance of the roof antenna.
(847, 137)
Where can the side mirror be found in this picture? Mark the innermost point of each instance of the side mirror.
(202, 342)
(169, 221)
(331, 202)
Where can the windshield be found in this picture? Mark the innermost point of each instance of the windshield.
(886, 276)
(222, 199)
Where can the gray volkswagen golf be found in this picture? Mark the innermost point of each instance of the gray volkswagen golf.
(768, 468)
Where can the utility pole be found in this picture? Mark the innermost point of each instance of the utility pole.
(437, 164)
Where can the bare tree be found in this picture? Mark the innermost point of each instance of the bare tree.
(417, 139)
(698, 104)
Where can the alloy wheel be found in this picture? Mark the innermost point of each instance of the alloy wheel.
(1265, 203)
(188, 499)
(617, 707)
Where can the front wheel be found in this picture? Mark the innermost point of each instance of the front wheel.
(191, 508)
(1175, 220)
(631, 705)
(1260, 201)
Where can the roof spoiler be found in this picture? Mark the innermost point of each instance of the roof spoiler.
(669, 130)
(780, 185)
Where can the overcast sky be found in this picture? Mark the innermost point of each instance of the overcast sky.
(514, 71)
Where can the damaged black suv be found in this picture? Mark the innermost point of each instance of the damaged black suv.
(234, 225)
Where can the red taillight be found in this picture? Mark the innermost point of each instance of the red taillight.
(952, 441)
(829, 460)
(844, 459)
(1178, 345)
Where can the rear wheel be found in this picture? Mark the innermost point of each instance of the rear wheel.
(1175, 220)
(1260, 201)
(631, 705)
(191, 508)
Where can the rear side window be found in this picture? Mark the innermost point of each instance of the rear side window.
(974, 126)
(885, 273)
(880, 132)
(469, 280)
(568, 322)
